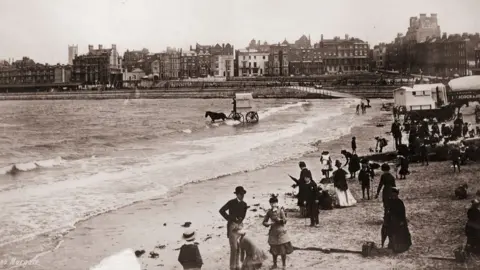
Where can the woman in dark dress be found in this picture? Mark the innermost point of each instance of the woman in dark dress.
(472, 228)
(387, 181)
(395, 225)
(352, 161)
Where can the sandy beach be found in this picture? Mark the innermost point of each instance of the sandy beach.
(436, 223)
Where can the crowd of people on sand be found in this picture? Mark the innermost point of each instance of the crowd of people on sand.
(313, 197)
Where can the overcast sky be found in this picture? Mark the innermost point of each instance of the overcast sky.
(43, 29)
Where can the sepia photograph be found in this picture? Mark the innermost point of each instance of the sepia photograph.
(239, 135)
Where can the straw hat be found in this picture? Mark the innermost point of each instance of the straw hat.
(189, 235)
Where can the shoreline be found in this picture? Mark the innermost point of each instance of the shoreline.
(94, 225)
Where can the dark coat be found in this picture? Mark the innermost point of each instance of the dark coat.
(189, 256)
(340, 179)
(387, 181)
(396, 226)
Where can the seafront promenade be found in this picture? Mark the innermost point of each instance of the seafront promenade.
(299, 92)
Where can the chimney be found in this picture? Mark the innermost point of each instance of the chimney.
(223, 45)
(321, 37)
(423, 15)
(114, 47)
(90, 48)
(100, 46)
(444, 35)
(190, 47)
(346, 36)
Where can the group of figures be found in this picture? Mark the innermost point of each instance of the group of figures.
(311, 197)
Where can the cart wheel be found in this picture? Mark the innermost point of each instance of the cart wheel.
(236, 116)
(251, 117)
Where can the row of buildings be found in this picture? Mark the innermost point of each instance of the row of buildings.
(424, 49)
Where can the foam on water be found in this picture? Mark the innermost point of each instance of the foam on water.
(124, 260)
(97, 185)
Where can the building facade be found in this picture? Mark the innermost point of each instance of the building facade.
(188, 65)
(344, 55)
(26, 72)
(203, 59)
(278, 59)
(72, 53)
(222, 65)
(423, 28)
(98, 66)
(379, 56)
(476, 70)
(446, 56)
(251, 63)
(135, 59)
(305, 61)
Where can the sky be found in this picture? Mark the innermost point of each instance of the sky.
(43, 29)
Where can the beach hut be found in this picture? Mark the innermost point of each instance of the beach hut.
(438, 92)
(413, 99)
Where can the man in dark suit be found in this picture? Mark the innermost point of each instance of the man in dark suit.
(237, 210)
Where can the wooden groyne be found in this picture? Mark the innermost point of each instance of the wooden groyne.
(385, 92)
(275, 93)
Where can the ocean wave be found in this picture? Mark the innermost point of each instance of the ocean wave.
(30, 166)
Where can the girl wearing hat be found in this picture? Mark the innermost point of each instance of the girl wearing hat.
(278, 238)
(344, 196)
(189, 256)
(252, 257)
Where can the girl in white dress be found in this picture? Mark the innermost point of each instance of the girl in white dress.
(326, 162)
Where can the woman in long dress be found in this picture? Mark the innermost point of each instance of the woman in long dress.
(252, 257)
(395, 225)
(344, 196)
(326, 162)
(278, 238)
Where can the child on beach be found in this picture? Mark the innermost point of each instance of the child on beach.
(326, 162)
(455, 157)
(278, 238)
(365, 177)
(189, 256)
(354, 145)
(252, 257)
(402, 163)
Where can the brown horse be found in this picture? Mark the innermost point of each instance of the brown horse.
(215, 116)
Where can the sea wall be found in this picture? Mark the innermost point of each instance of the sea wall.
(171, 93)
(385, 92)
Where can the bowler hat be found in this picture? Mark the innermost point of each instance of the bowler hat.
(240, 190)
(338, 163)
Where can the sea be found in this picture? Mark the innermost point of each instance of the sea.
(64, 161)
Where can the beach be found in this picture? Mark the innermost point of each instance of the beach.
(436, 221)
(152, 223)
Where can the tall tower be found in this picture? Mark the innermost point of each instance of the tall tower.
(72, 52)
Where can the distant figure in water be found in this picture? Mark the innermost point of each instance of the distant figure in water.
(358, 109)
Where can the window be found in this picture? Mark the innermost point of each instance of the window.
(249, 64)
(249, 57)
(254, 57)
(255, 64)
(264, 57)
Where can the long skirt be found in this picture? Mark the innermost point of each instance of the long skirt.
(345, 198)
(399, 239)
(282, 249)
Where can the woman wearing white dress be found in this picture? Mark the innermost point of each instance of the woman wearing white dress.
(344, 196)
(326, 162)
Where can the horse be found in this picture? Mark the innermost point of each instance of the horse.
(215, 116)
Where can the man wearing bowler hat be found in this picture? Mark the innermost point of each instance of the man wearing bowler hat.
(237, 209)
